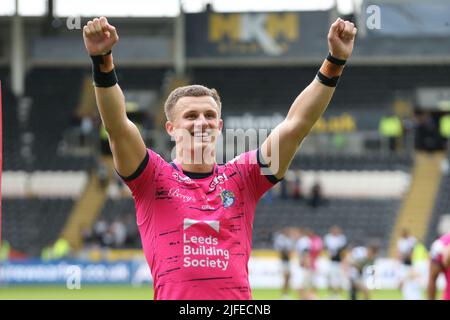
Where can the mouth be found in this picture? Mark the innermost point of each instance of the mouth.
(204, 136)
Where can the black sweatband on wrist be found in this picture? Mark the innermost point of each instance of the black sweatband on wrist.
(329, 82)
(102, 79)
(334, 60)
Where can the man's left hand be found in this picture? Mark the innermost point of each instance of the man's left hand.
(341, 38)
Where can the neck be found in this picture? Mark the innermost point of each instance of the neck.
(204, 163)
(198, 168)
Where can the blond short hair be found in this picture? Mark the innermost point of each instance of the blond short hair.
(194, 90)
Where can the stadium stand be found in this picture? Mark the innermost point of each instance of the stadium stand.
(368, 87)
(11, 154)
(362, 220)
(441, 207)
(31, 224)
(364, 162)
(57, 95)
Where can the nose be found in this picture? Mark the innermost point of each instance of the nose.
(200, 122)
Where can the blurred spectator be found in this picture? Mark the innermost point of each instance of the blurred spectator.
(444, 126)
(411, 276)
(427, 135)
(439, 263)
(303, 248)
(335, 243)
(297, 189)
(61, 249)
(108, 238)
(316, 246)
(100, 228)
(359, 262)
(283, 242)
(419, 253)
(102, 173)
(5, 249)
(119, 232)
(339, 141)
(133, 239)
(87, 235)
(316, 198)
(308, 246)
(390, 128)
(47, 252)
(405, 246)
(86, 131)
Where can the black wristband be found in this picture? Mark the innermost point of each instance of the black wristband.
(102, 79)
(329, 82)
(334, 60)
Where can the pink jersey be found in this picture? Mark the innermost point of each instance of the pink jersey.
(197, 233)
(316, 250)
(436, 252)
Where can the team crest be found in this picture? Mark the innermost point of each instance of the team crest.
(227, 198)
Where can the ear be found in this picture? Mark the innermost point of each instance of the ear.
(220, 125)
(169, 128)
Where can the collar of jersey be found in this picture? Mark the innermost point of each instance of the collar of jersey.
(194, 175)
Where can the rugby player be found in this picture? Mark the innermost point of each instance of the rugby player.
(195, 217)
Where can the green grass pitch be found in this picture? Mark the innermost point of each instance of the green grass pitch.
(90, 292)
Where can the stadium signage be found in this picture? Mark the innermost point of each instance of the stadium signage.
(35, 271)
(334, 124)
(270, 33)
(344, 122)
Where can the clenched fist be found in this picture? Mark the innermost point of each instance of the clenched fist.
(99, 36)
(341, 39)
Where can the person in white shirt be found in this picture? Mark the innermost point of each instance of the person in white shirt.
(335, 243)
(405, 247)
(303, 247)
(284, 242)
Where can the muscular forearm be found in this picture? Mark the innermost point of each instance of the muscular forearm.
(111, 105)
(110, 99)
(308, 107)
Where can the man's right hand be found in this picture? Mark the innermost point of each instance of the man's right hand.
(99, 36)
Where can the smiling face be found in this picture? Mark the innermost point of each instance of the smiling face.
(195, 124)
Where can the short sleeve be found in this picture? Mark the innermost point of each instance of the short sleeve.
(255, 173)
(142, 183)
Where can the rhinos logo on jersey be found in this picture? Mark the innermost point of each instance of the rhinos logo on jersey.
(220, 179)
(227, 198)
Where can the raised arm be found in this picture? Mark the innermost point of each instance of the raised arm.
(282, 144)
(127, 146)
